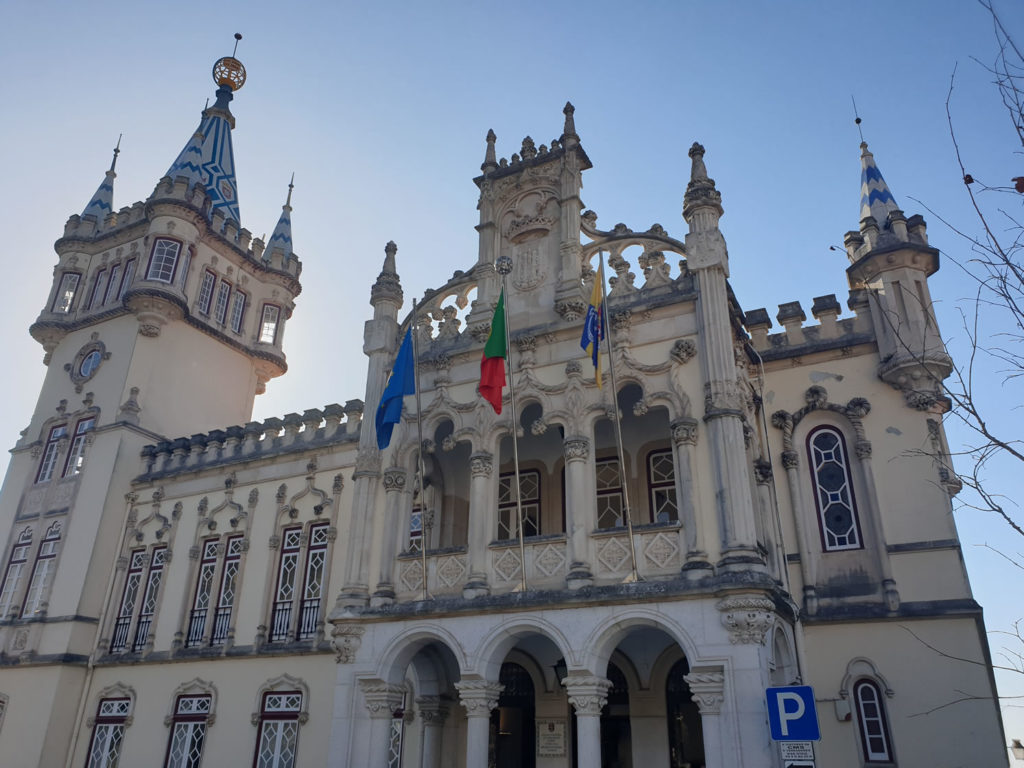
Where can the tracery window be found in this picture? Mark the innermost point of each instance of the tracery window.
(99, 289)
(66, 292)
(610, 504)
(134, 588)
(188, 731)
(871, 719)
(268, 325)
(228, 556)
(50, 451)
(206, 292)
(833, 490)
(508, 513)
(661, 484)
(113, 285)
(14, 572)
(277, 741)
(42, 570)
(108, 732)
(237, 311)
(76, 456)
(295, 596)
(129, 275)
(220, 310)
(164, 260)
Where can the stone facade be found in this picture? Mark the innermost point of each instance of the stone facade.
(287, 590)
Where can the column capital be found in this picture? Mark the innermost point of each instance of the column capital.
(433, 709)
(381, 698)
(684, 431)
(481, 464)
(479, 697)
(576, 448)
(707, 684)
(587, 693)
(394, 479)
(747, 617)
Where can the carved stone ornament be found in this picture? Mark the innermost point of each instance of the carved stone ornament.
(367, 463)
(684, 431)
(382, 699)
(481, 464)
(748, 618)
(433, 710)
(707, 684)
(570, 310)
(394, 480)
(762, 471)
(683, 351)
(862, 448)
(588, 695)
(790, 460)
(479, 697)
(577, 449)
(345, 640)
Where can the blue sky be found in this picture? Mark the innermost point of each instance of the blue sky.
(381, 110)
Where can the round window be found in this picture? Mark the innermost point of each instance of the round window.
(90, 363)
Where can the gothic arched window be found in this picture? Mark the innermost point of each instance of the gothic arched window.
(874, 730)
(833, 490)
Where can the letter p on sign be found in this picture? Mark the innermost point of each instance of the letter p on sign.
(791, 713)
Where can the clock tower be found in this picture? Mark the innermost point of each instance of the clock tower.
(164, 318)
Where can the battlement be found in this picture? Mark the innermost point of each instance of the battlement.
(196, 200)
(799, 338)
(293, 433)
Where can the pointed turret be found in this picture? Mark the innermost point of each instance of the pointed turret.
(388, 288)
(875, 198)
(569, 136)
(208, 157)
(102, 202)
(281, 240)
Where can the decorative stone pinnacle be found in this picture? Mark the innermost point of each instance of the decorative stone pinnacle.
(698, 170)
(569, 135)
(388, 285)
(701, 193)
(490, 158)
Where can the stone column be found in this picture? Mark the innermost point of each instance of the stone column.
(684, 443)
(588, 695)
(707, 684)
(433, 712)
(708, 260)
(872, 527)
(381, 699)
(581, 511)
(394, 494)
(483, 502)
(479, 697)
(367, 479)
(808, 563)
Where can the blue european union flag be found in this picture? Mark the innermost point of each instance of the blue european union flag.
(593, 325)
(401, 383)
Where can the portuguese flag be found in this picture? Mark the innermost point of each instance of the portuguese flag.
(492, 366)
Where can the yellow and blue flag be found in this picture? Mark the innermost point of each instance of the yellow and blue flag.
(401, 383)
(593, 325)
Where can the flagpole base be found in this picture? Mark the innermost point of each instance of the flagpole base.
(633, 578)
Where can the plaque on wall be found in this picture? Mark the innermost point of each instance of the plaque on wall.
(551, 737)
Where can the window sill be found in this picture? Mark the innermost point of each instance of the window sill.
(639, 528)
(544, 537)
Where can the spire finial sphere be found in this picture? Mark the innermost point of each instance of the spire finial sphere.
(228, 70)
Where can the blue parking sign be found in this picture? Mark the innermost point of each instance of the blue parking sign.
(791, 713)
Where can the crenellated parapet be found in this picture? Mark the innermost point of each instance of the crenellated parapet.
(799, 337)
(274, 437)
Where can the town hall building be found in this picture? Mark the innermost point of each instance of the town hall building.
(609, 572)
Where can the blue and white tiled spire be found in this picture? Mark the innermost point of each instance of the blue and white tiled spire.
(102, 202)
(208, 157)
(875, 198)
(282, 238)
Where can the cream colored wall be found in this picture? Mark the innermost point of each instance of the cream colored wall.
(926, 686)
(36, 728)
(914, 508)
(231, 740)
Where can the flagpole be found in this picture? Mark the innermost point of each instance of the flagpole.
(634, 576)
(504, 266)
(424, 512)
